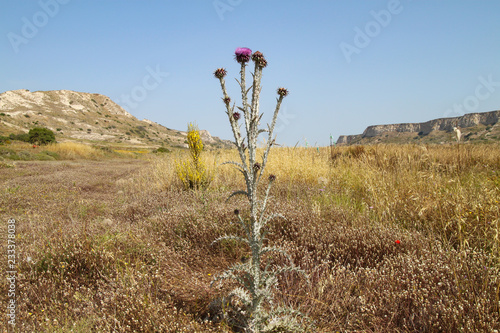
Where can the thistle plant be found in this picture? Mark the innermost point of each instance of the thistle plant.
(193, 174)
(257, 281)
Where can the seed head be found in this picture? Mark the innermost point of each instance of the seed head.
(220, 73)
(282, 92)
(242, 54)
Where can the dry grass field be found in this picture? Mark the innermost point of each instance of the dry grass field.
(394, 239)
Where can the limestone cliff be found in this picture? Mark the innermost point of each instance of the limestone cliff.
(423, 129)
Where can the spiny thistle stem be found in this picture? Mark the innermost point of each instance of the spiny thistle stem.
(257, 283)
(270, 141)
(244, 97)
(234, 125)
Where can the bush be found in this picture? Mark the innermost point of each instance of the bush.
(193, 174)
(24, 137)
(4, 139)
(41, 136)
(161, 150)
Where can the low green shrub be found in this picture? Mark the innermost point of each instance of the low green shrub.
(41, 136)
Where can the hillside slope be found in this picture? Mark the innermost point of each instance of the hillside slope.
(483, 126)
(92, 118)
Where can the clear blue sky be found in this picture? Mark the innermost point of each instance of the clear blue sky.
(347, 64)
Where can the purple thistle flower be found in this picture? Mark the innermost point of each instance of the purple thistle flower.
(220, 73)
(227, 100)
(272, 178)
(256, 166)
(236, 212)
(236, 115)
(242, 54)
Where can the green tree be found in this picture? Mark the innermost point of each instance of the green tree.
(41, 136)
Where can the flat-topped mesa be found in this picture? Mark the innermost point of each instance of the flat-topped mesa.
(441, 124)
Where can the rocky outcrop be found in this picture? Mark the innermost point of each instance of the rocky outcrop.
(65, 101)
(73, 115)
(348, 139)
(441, 124)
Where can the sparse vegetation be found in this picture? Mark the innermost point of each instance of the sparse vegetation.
(393, 238)
(118, 246)
(55, 151)
(72, 151)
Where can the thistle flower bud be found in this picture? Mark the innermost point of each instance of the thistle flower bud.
(236, 212)
(272, 178)
(256, 167)
(220, 73)
(242, 54)
(236, 115)
(227, 100)
(282, 92)
(259, 59)
(257, 56)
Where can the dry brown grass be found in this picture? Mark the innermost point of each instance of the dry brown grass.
(73, 150)
(118, 246)
(55, 151)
